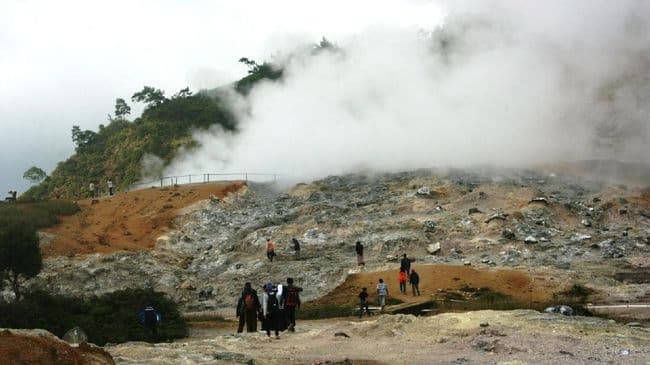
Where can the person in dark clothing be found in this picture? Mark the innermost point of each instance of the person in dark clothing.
(272, 313)
(248, 309)
(406, 264)
(414, 278)
(359, 249)
(290, 302)
(363, 302)
(150, 318)
(296, 248)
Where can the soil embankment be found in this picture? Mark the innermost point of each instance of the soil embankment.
(128, 221)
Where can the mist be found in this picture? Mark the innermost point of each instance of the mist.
(509, 84)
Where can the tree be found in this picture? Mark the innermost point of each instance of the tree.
(34, 175)
(149, 96)
(82, 139)
(183, 93)
(20, 255)
(122, 109)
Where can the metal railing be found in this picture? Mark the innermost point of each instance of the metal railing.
(203, 179)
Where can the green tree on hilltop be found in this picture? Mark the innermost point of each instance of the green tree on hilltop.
(20, 255)
(149, 96)
(122, 109)
(34, 175)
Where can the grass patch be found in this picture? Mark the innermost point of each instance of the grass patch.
(325, 311)
(37, 215)
(575, 293)
(109, 318)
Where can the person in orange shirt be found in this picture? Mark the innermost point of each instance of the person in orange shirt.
(270, 249)
(402, 281)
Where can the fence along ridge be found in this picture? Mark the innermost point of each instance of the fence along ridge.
(201, 179)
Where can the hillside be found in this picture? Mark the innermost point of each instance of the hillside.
(126, 151)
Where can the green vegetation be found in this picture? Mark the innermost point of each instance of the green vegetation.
(576, 293)
(36, 215)
(117, 150)
(20, 256)
(34, 175)
(109, 318)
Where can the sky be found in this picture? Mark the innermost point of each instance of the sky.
(63, 63)
(419, 83)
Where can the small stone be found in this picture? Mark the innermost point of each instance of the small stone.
(433, 248)
(474, 211)
(484, 324)
(624, 352)
(530, 240)
(634, 324)
(586, 222)
(467, 263)
(341, 334)
(622, 211)
(507, 233)
(539, 200)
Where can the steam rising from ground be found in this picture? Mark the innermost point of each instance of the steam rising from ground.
(504, 85)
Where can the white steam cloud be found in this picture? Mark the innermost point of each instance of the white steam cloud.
(512, 84)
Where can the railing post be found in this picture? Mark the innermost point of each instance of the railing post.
(190, 177)
(161, 182)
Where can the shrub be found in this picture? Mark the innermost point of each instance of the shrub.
(109, 318)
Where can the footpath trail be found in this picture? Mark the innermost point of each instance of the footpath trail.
(130, 221)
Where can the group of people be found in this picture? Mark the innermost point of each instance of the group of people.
(270, 249)
(93, 190)
(276, 310)
(406, 274)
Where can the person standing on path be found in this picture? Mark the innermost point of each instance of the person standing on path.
(402, 277)
(91, 190)
(359, 249)
(109, 183)
(406, 264)
(382, 293)
(296, 248)
(248, 309)
(270, 249)
(271, 310)
(415, 281)
(363, 302)
(290, 302)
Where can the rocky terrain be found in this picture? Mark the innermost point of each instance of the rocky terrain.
(565, 228)
(483, 337)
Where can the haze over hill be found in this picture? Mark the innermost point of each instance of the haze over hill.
(496, 83)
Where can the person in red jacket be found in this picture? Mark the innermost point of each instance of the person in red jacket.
(402, 277)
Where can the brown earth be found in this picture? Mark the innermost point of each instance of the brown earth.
(47, 349)
(130, 221)
(436, 280)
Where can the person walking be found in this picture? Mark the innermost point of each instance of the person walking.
(296, 248)
(91, 190)
(359, 249)
(248, 309)
(109, 183)
(271, 310)
(363, 302)
(406, 264)
(270, 249)
(382, 293)
(290, 302)
(150, 318)
(402, 277)
(415, 281)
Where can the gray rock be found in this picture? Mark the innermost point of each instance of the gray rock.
(530, 239)
(498, 216)
(433, 248)
(508, 234)
(474, 211)
(429, 226)
(75, 335)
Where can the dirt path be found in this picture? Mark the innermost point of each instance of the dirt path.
(127, 221)
(436, 280)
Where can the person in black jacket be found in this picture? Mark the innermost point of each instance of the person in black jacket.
(414, 278)
(248, 309)
(296, 248)
(406, 264)
(359, 249)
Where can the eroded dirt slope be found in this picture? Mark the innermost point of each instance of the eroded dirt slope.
(128, 221)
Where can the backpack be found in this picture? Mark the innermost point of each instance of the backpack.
(292, 297)
(272, 304)
(149, 317)
(249, 301)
